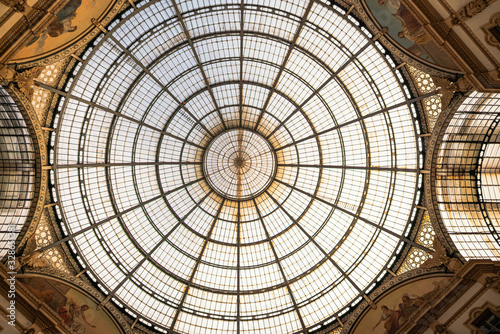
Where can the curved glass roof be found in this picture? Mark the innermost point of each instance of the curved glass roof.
(467, 179)
(324, 164)
(17, 172)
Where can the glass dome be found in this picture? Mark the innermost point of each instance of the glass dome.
(244, 167)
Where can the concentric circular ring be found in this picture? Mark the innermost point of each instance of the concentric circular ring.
(239, 164)
(239, 168)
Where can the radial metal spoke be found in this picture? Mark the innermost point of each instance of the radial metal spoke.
(318, 246)
(115, 113)
(369, 222)
(242, 18)
(323, 85)
(150, 253)
(164, 88)
(195, 268)
(124, 164)
(200, 66)
(389, 169)
(290, 292)
(285, 61)
(119, 214)
(383, 110)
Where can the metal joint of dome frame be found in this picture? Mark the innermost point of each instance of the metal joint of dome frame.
(417, 164)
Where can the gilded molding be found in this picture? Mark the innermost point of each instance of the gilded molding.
(458, 49)
(398, 51)
(41, 152)
(33, 22)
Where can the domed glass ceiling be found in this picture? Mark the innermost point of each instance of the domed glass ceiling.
(240, 167)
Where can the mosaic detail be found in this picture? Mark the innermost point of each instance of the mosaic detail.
(416, 256)
(432, 105)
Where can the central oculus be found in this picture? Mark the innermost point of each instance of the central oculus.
(239, 164)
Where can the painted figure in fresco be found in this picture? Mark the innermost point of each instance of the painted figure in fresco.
(74, 317)
(60, 24)
(410, 305)
(410, 28)
(392, 3)
(390, 319)
(78, 316)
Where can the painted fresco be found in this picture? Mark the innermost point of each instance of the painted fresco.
(72, 22)
(78, 312)
(396, 308)
(408, 32)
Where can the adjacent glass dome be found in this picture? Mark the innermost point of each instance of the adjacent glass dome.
(236, 167)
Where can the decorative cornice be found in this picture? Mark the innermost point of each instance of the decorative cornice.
(442, 33)
(462, 281)
(32, 23)
(32, 308)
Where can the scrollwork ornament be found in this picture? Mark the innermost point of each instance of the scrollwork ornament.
(488, 30)
(470, 10)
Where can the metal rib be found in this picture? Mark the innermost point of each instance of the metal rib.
(165, 89)
(124, 164)
(311, 239)
(195, 53)
(394, 234)
(397, 105)
(285, 60)
(148, 255)
(119, 214)
(389, 169)
(195, 268)
(279, 265)
(323, 85)
(115, 113)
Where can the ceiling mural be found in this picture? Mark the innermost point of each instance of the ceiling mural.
(405, 30)
(398, 307)
(78, 312)
(69, 25)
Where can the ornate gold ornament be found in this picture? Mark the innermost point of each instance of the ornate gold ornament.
(470, 10)
(492, 30)
(440, 257)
